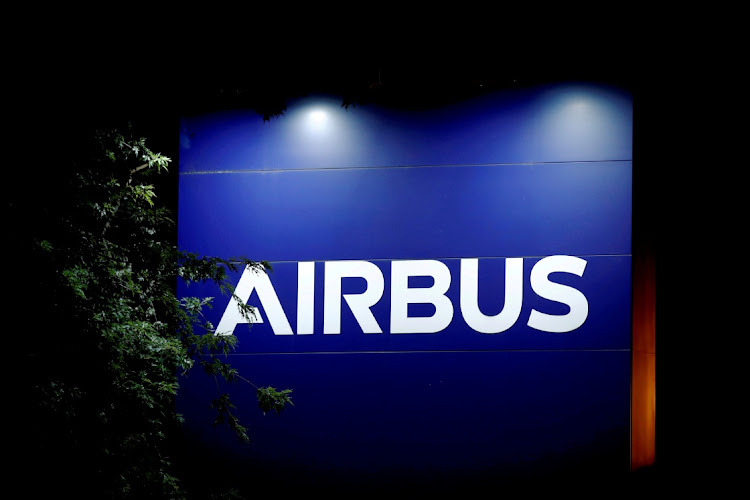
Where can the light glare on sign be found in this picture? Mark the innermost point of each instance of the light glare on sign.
(317, 116)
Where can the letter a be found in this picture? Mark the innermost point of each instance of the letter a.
(258, 281)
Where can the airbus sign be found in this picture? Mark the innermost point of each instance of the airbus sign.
(402, 295)
(450, 293)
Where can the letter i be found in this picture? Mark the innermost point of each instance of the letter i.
(305, 297)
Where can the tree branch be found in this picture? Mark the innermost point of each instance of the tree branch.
(139, 168)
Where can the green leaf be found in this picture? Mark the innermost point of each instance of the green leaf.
(271, 399)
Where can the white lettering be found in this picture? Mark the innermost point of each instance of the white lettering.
(305, 297)
(508, 316)
(402, 296)
(358, 303)
(258, 281)
(579, 306)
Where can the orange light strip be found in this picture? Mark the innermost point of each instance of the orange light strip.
(643, 388)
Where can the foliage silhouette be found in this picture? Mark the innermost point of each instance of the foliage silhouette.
(111, 338)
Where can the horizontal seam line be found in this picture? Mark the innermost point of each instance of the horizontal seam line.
(249, 171)
(424, 352)
(449, 258)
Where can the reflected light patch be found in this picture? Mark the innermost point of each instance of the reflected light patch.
(319, 131)
(584, 124)
(317, 117)
(577, 103)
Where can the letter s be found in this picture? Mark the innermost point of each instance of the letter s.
(579, 306)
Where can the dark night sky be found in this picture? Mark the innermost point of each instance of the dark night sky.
(71, 73)
(97, 75)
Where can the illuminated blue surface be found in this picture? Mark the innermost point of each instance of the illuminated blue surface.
(560, 123)
(396, 213)
(529, 174)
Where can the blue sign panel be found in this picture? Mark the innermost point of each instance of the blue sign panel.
(450, 292)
